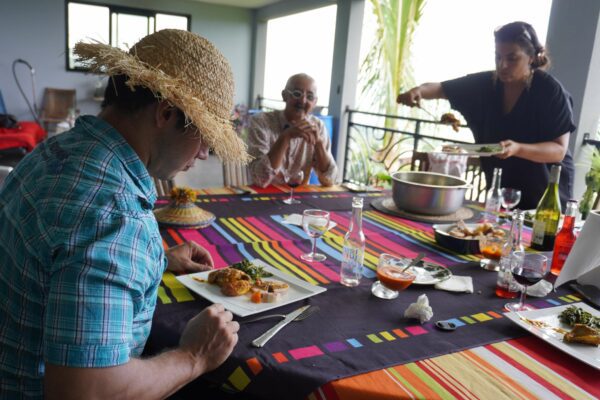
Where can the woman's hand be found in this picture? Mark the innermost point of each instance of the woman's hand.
(412, 98)
(509, 149)
(188, 257)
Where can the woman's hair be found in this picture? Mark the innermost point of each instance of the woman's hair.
(523, 34)
(121, 96)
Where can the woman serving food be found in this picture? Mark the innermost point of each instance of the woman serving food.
(520, 106)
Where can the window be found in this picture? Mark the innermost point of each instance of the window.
(121, 27)
(297, 43)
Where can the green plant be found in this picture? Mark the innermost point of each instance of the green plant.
(592, 182)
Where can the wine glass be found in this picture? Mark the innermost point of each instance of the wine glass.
(391, 276)
(527, 269)
(293, 179)
(510, 198)
(491, 248)
(315, 223)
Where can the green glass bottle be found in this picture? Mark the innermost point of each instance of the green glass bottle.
(547, 215)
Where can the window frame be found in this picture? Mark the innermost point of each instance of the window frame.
(112, 9)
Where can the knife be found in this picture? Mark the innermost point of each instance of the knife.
(265, 337)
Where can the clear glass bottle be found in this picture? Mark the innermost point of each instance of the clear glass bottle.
(506, 287)
(354, 247)
(494, 199)
(565, 239)
(547, 215)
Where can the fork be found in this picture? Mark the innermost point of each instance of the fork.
(305, 314)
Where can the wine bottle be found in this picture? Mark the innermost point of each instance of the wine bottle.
(547, 215)
(354, 247)
(565, 239)
(494, 199)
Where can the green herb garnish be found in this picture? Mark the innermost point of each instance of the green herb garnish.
(486, 149)
(254, 271)
(576, 315)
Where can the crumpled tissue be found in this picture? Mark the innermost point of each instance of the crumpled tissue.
(420, 310)
(540, 289)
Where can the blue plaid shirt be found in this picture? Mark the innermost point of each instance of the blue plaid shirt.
(81, 257)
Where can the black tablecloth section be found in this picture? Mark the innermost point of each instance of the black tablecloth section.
(346, 314)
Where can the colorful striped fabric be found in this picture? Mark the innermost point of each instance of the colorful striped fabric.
(521, 368)
(524, 368)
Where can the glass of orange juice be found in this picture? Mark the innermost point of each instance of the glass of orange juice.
(391, 278)
(491, 248)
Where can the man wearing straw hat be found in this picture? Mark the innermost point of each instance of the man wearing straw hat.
(82, 257)
(290, 140)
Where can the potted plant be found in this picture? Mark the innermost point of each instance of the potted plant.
(592, 182)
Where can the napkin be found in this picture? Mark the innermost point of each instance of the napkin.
(583, 263)
(420, 310)
(296, 219)
(456, 284)
(540, 289)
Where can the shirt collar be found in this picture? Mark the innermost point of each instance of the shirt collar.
(104, 133)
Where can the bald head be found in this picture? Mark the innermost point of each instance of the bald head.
(294, 79)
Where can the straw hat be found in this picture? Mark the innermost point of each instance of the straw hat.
(185, 69)
(181, 212)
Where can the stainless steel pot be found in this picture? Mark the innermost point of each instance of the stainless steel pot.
(428, 192)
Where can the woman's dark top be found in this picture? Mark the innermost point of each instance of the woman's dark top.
(542, 113)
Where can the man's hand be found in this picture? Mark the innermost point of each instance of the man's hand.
(188, 257)
(210, 337)
(303, 129)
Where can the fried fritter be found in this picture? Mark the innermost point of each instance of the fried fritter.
(236, 287)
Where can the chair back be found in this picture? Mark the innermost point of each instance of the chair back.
(235, 174)
(473, 175)
(56, 105)
(163, 186)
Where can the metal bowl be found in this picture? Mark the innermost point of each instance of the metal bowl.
(428, 193)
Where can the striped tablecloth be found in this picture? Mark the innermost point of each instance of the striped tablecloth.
(249, 226)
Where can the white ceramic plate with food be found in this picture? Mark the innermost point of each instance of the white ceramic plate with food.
(545, 324)
(468, 149)
(242, 305)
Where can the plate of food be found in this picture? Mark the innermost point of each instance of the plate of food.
(464, 238)
(249, 287)
(475, 149)
(572, 328)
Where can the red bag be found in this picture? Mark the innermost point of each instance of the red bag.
(27, 134)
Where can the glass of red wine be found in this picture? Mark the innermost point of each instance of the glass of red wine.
(527, 269)
(293, 179)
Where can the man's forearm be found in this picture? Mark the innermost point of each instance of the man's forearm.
(278, 150)
(152, 378)
(543, 152)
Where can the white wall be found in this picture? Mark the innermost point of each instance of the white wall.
(34, 30)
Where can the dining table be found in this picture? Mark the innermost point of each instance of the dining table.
(358, 346)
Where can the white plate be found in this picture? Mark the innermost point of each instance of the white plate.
(241, 305)
(474, 149)
(428, 273)
(588, 354)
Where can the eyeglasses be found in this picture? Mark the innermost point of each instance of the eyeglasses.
(297, 94)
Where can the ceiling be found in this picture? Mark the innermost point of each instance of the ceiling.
(241, 3)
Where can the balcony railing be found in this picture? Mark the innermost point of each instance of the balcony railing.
(386, 143)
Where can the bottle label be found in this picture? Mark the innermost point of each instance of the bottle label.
(539, 229)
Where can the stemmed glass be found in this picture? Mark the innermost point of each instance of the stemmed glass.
(293, 179)
(391, 276)
(527, 269)
(315, 223)
(510, 198)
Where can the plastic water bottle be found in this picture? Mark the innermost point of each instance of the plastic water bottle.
(494, 200)
(354, 247)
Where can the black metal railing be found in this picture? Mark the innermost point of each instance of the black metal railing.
(592, 142)
(388, 144)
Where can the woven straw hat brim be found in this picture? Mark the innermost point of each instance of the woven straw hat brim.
(205, 110)
(186, 216)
